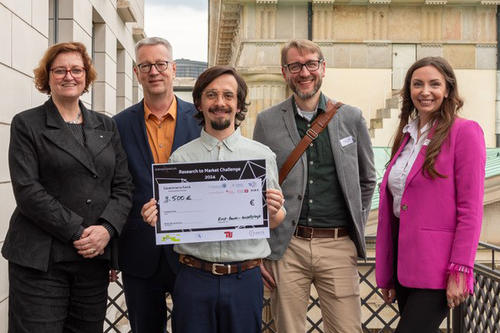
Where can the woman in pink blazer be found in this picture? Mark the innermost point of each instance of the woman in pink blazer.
(431, 201)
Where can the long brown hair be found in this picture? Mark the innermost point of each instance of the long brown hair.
(443, 118)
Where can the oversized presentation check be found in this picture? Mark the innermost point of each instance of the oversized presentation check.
(210, 201)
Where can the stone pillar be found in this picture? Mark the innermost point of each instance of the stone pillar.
(431, 23)
(75, 24)
(137, 93)
(124, 80)
(105, 64)
(264, 91)
(377, 16)
(497, 110)
(323, 19)
(486, 23)
(265, 19)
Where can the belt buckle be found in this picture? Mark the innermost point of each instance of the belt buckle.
(312, 134)
(215, 265)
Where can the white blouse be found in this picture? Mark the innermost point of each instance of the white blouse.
(402, 166)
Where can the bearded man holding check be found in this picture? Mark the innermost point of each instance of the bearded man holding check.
(220, 282)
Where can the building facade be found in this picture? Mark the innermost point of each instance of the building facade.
(368, 46)
(189, 68)
(109, 30)
(187, 71)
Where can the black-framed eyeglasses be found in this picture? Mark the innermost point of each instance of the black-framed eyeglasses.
(160, 66)
(60, 72)
(311, 65)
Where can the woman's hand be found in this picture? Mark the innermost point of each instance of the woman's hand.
(92, 242)
(456, 292)
(149, 212)
(389, 295)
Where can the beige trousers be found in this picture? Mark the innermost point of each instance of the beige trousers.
(329, 264)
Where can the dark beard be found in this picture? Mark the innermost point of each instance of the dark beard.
(221, 124)
(302, 95)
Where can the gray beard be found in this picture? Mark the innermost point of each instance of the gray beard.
(303, 95)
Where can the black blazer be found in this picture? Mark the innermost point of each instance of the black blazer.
(59, 185)
(138, 253)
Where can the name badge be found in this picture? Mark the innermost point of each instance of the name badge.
(346, 141)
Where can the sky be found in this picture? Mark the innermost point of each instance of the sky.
(184, 23)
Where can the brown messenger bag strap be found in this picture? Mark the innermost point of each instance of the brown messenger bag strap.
(318, 125)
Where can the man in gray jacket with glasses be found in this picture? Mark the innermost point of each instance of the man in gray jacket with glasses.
(327, 198)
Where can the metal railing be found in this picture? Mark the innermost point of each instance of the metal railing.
(480, 313)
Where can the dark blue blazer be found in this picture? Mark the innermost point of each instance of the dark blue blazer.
(138, 253)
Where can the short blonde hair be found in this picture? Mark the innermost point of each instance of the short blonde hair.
(301, 45)
(43, 70)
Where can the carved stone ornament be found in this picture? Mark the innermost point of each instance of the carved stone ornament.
(323, 2)
(490, 2)
(436, 2)
(266, 2)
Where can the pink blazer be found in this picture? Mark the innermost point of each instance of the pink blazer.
(440, 219)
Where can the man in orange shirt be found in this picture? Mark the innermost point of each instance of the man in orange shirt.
(150, 131)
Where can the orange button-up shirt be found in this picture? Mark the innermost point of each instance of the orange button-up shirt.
(161, 132)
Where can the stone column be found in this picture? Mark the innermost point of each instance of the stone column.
(75, 24)
(137, 93)
(105, 63)
(124, 74)
(264, 91)
(323, 19)
(432, 22)
(265, 19)
(377, 16)
(486, 23)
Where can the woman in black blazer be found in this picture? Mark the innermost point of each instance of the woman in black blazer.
(73, 193)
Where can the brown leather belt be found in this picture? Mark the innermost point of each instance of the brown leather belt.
(310, 233)
(216, 268)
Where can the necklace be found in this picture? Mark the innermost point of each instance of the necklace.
(76, 120)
